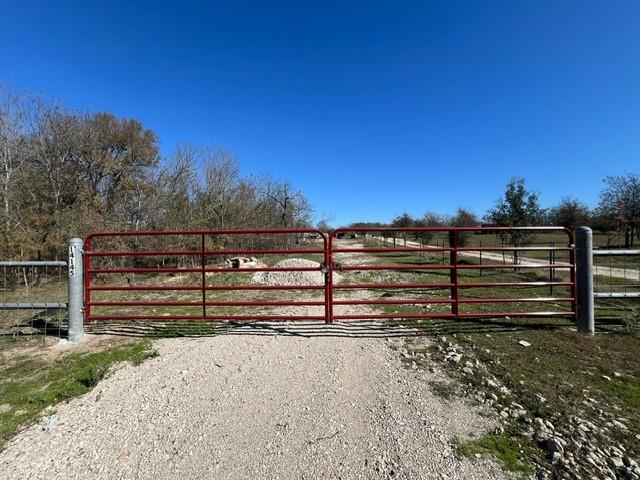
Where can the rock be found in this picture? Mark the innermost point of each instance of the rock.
(616, 463)
(242, 262)
(524, 343)
(542, 435)
(616, 452)
(493, 384)
(454, 357)
(619, 425)
(542, 431)
(543, 474)
(518, 413)
(540, 398)
(49, 423)
(606, 377)
(630, 462)
(467, 370)
(553, 445)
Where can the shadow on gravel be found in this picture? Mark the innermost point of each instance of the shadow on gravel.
(307, 329)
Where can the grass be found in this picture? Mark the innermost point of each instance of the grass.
(30, 385)
(504, 447)
(595, 378)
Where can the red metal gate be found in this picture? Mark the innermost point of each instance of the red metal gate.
(209, 246)
(414, 287)
(450, 293)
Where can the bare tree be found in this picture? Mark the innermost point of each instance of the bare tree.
(221, 178)
(283, 204)
(620, 200)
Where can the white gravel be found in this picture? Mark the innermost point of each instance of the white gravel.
(267, 400)
(293, 278)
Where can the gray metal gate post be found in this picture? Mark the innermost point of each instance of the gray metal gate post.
(584, 279)
(76, 290)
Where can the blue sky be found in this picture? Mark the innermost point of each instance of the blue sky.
(372, 108)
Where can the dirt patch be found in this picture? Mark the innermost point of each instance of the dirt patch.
(51, 348)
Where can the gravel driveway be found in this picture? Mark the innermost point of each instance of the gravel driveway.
(262, 401)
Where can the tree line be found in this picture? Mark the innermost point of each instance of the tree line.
(69, 173)
(617, 213)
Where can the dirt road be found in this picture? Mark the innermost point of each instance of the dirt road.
(599, 270)
(266, 400)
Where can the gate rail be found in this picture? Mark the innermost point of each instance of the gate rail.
(455, 286)
(330, 252)
(202, 255)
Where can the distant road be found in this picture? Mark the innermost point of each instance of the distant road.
(627, 274)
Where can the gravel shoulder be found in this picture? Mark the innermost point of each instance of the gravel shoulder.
(266, 400)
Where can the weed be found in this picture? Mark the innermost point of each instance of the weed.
(445, 389)
(631, 320)
(508, 450)
(95, 374)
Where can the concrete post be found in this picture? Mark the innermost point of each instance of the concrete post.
(584, 279)
(76, 290)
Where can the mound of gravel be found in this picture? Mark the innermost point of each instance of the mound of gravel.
(293, 278)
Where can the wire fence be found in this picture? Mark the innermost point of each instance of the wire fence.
(616, 275)
(34, 300)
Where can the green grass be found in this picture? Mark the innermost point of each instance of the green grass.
(504, 447)
(28, 385)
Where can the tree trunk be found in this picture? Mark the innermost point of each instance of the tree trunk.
(627, 242)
